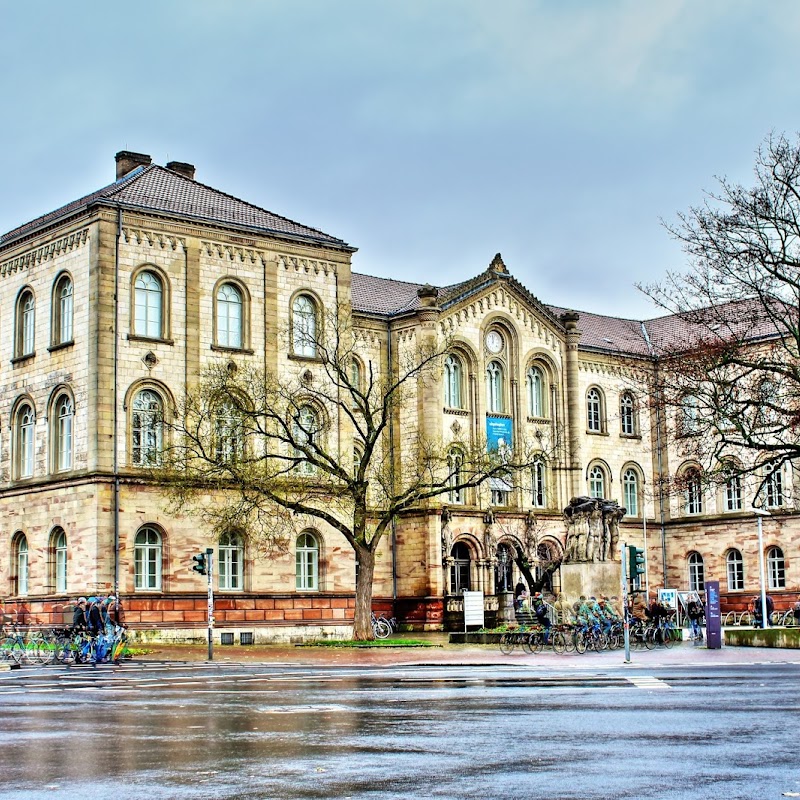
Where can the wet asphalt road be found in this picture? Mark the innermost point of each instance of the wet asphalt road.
(283, 731)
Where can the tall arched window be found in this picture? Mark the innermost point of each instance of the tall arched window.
(733, 491)
(494, 388)
(62, 311)
(25, 335)
(693, 491)
(597, 482)
(20, 564)
(536, 392)
(230, 319)
(25, 435)
(630, 491)
(59, 549)
(149, 305)
(627, 414)
(460, 568)
(307, 562)
(734, 565)
(594, 411)
(304, 326)
(539, 483)
(697, 581)
(455, 462)
(146, 428)
(690, 414)
(305, 429)
(147, 549)
(776, 568)
(62, 439)
(229, 438)
(231, 562)
(452, 382)
(772, 489)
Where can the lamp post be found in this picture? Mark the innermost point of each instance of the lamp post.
(760, 513)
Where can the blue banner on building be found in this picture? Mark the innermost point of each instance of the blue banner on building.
(498, 433)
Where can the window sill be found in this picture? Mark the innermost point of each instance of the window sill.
(501, 414)
(636, 436)
(539, 420)
(60, 346)
(458, 412)
(17, 360)
(219, 348)
(308, 359)
(596, 433)
(135, 337)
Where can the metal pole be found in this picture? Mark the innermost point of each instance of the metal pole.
(764, 619)
(624, 593)
(210, 571)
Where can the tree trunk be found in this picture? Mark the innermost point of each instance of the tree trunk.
(533, 584)
(362, 622)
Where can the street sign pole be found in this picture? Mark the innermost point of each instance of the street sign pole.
(625, 613)
(210, 571)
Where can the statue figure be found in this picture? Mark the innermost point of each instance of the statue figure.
(592, 528)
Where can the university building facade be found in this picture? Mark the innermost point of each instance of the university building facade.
(116, 302)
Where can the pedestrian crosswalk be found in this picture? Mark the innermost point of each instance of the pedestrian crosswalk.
(648, 682)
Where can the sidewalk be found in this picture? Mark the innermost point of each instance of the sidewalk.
(443, 653)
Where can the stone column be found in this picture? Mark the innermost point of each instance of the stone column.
(574, 419)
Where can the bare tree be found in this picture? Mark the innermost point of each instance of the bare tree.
(264, 453)
(728, 372)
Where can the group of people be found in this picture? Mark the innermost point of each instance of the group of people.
(101, 619)
(536, 605)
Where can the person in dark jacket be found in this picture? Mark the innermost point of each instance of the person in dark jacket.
(696, 614)
(79, 615)
(94, 617)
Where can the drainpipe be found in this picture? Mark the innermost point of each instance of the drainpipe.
(115, 446)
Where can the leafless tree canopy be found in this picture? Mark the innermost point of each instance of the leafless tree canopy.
(729, 374)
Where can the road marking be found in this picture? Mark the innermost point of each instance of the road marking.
(649, 682)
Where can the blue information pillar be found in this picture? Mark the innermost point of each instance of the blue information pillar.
(713, 617)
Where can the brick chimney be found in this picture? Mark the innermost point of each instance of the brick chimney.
(182, 168)
(128, 161)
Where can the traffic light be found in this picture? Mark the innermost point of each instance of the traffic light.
(200, 563)
(635, 563)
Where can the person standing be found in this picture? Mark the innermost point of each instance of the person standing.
(696, 613)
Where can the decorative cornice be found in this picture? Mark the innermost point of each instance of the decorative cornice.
(153, 238)
(230, 252)
(30, 259)
(299, 264)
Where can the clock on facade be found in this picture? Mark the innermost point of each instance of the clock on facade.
(494, 342)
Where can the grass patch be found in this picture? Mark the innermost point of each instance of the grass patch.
(363, 645)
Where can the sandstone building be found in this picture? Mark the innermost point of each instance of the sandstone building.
(116, 301)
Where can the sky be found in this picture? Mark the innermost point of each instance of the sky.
(429, 134)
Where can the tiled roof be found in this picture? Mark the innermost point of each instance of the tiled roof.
(384, 296)
(609, 334)
(157, 189)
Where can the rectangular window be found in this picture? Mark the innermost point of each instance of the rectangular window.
(735, 575)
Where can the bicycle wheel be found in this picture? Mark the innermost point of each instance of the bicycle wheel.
(580, 643)
(382, 629)
(650, 638)
(559, 642)
(667, 638)
(507, 643)
(536, 641)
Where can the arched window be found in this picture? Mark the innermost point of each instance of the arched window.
(307, 562)
(231, 562)
(735, 570)
(594, 411)
(536, 392)
(304, 431)
(20, 564)
(149, 305)
(58, 541)
(455, 463)
(304, 326)
(690, 414)
(539, 483)
(25, 435)
(460, 568)
(597, 482)
(627, 414)
(62, 311)
(630, 491)
(697, 581)
(504, 570)
(776, 568)
(356, 383)
(230, 319)
(693, 491)
(494, 388)
(146, 428)
(229, 436)
(772, 487)
(62, 439)
(26, 325)
(452, 382)
(733, 491)
(147, 559)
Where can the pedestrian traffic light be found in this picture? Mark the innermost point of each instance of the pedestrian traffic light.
(635, 562)
(200, 563)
